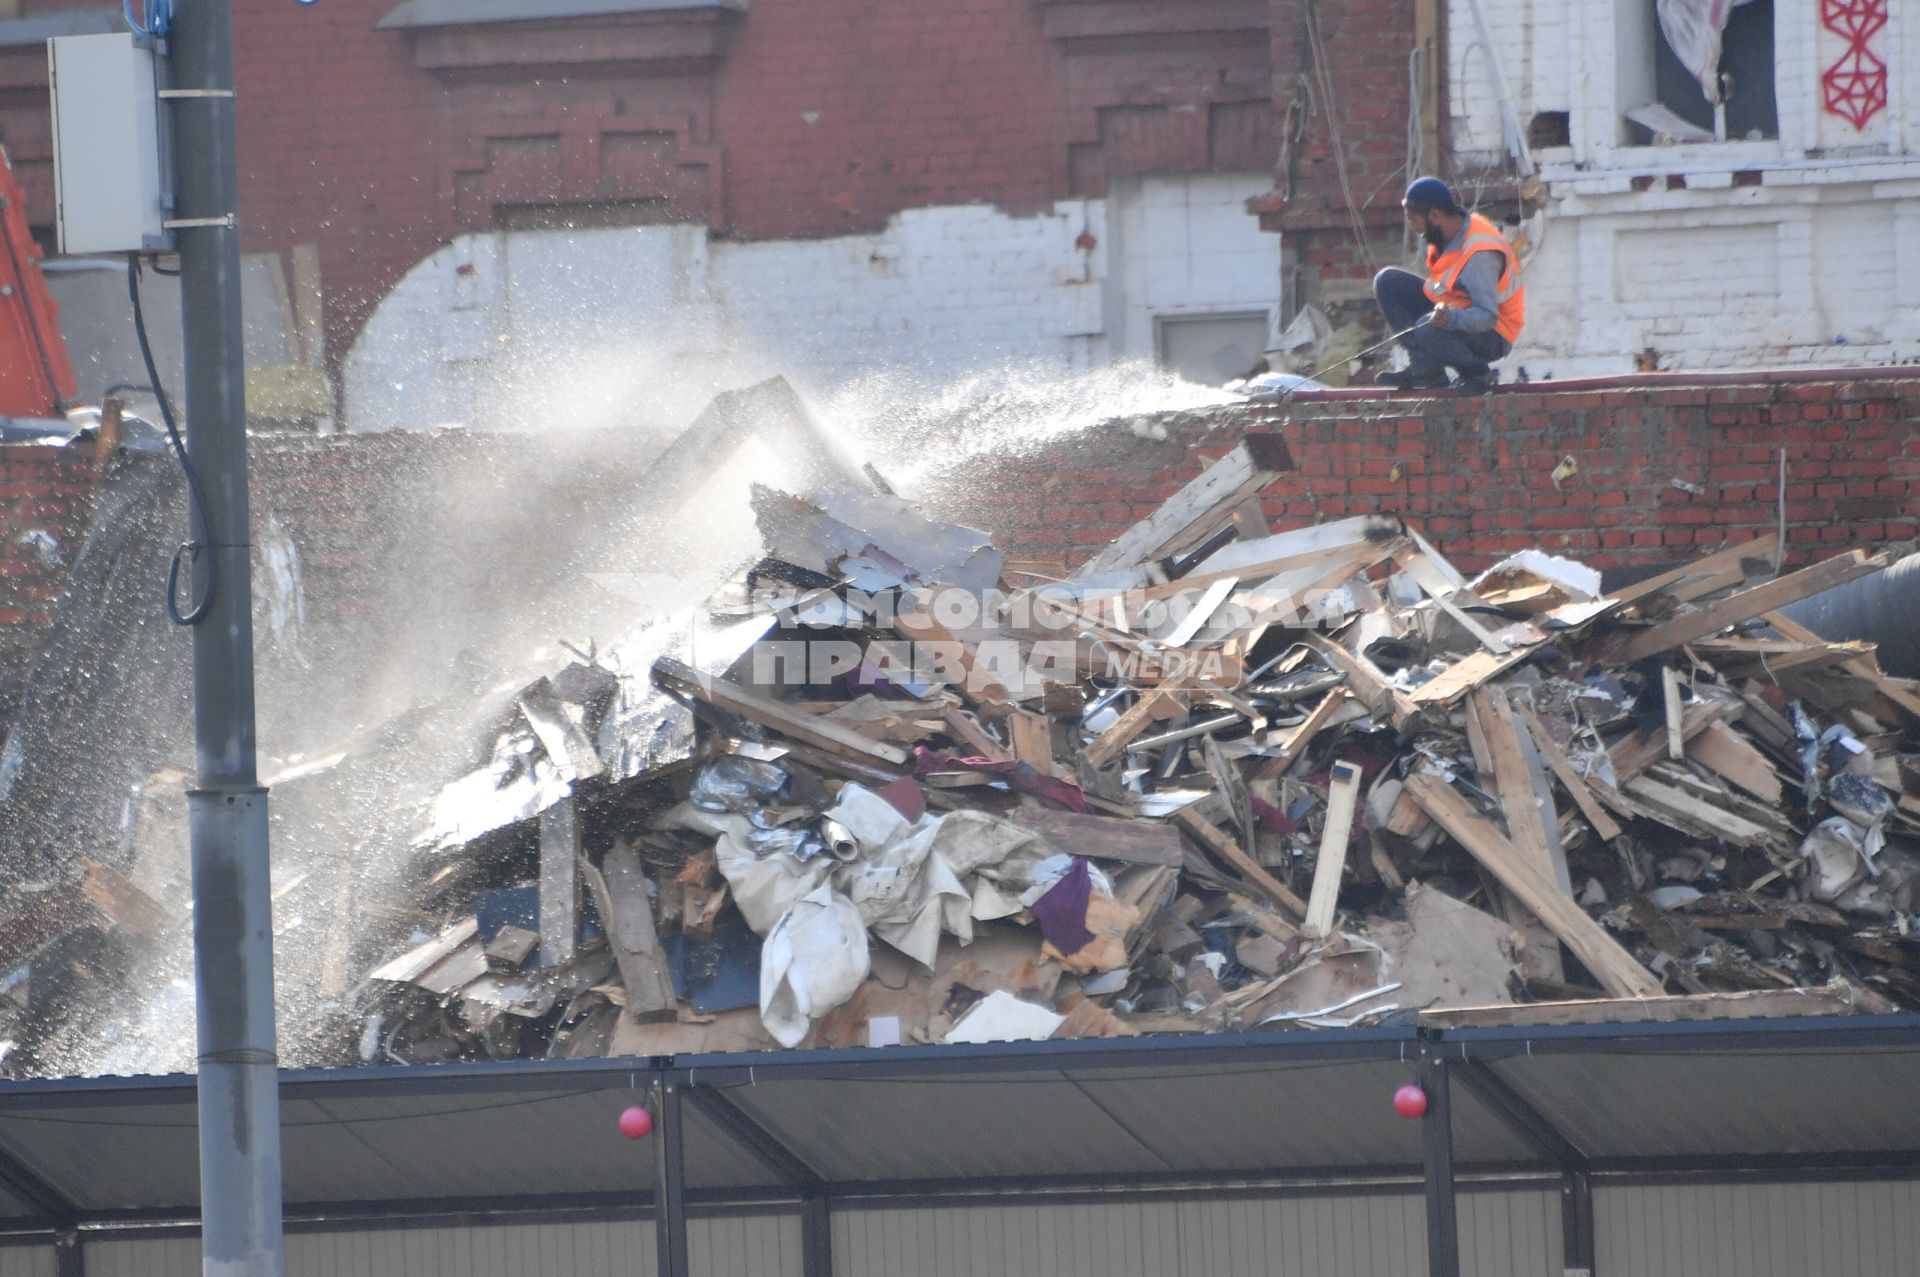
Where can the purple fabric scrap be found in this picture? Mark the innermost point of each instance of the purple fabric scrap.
(1062, 912)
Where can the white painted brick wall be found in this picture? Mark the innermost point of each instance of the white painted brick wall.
(1809, 267)
(645, 324)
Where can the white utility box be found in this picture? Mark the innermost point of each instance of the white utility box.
(106, 145)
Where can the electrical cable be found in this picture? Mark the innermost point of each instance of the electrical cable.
(158, 13)
(188, 549)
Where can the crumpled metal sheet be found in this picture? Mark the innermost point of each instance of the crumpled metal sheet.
(548, 748)
(880, 541)
(645, 728)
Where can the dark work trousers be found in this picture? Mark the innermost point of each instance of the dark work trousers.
(1403, 299)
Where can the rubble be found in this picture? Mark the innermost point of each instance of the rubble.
(888, 788)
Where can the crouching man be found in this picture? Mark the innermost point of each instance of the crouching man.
(1472, 300)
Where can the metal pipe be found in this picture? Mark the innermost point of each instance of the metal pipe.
(1878, 609)
(232, 918)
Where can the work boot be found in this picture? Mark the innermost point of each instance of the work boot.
(1477, 381)
(1413, 379)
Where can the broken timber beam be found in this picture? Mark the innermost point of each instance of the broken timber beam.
(1186, 519)
(1578, 787)
(1221, 844)
(1749, 603)
(822, 733)
(1616, 969)
(1342, 793)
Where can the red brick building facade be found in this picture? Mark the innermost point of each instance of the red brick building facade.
(378, 129)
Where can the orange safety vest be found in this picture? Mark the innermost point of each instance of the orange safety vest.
(1443, 276)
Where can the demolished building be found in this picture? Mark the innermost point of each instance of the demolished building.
(874, 782)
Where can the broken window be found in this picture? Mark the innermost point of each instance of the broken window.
(1700, 71)
(1210, 349)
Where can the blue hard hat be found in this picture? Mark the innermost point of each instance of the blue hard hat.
(1431, 192)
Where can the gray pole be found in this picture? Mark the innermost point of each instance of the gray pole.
(232, 916)
(1443, 1228)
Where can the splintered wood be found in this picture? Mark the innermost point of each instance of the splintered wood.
(1226, 774)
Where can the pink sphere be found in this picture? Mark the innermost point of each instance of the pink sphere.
(1410, 1101)
(636, 1123)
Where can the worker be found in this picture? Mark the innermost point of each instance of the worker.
(1470, 307)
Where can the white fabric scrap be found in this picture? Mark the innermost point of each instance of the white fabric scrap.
(813, 960)
(907, 894)
(872, 820)
(764, 887)
(1001, 1017)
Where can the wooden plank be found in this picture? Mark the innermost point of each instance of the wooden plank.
(1465, 674)
(822, 733)
(1160, 703)
(1218, 841)
(1758, 550)
(1670, 805)
(1634, 753)
(1302, 734)
(967, 732)
(913, 619)
(1314, 571)
(1577, 786)
(1202, 611)
(1137, 842)
(1670, 693)
(1525, 797)
(1032, 736)
(619, 889)
(1837, 998)
(455, 971)
(1435, 585)
(1616, 969)
(1187, 518)
(1367, 681)
(1749, 603)
(1727, 753)
(559, 883)
(1862, 667)
(1263, 919)
(1342, 793)
(120, 902)
(418, 960)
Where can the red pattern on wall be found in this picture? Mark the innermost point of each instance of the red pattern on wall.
(1855, 87)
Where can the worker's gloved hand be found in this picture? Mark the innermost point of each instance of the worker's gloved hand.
(1442, 316)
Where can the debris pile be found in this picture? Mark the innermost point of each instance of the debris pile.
(887, 787)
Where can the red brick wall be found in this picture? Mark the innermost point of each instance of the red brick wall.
(804, 118)
(1475, 475)
(1365, 45)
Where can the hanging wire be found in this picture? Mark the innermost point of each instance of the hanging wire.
(188, 550)
(1323, 71)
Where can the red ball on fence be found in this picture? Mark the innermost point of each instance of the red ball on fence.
(1410, 1101)
(635, 1123)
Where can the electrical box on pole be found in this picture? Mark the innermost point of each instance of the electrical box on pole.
(110, 195)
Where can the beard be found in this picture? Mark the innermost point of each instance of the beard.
(1436, 237)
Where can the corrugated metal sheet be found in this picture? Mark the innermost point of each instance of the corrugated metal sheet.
(1252, 1117)
(733, 1246)
(1764, 1230)
(155, 1159)
(1502, 1235)
(1698, 1104)
(26, 1261)
(367, 1147)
